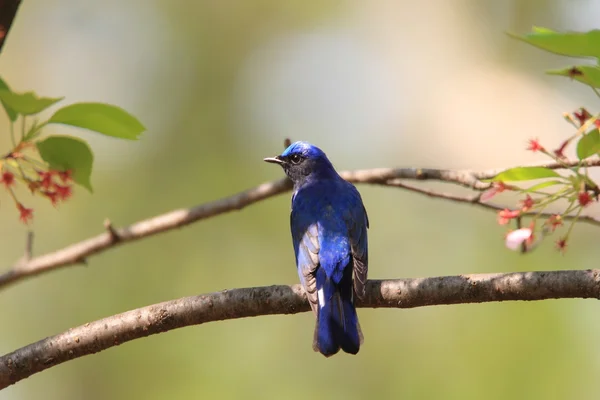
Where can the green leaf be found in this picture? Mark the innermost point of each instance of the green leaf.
(67, 152)
(573, 44)
(26, 103)
(541, 29)
(588, 145)
(575, 180)
(525, 174)
(543, 185)
(12, 115)
(103, 118)
(586, 74)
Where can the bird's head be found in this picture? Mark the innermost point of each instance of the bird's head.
(302, 160)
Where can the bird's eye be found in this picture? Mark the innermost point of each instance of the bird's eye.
(295, 159)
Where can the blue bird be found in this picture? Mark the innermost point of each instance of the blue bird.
(329, 232)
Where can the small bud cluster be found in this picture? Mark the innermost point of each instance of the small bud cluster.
(17, 169)
(577, 188)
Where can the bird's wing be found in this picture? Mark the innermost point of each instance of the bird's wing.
(306, 241)
(357, 223)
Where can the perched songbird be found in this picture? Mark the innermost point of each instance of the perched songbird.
(329, 231)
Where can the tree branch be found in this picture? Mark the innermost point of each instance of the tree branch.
(78, 253)
(476, 200)
(8, 11)
(251, 302)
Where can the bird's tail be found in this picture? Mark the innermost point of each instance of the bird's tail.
(337, 323)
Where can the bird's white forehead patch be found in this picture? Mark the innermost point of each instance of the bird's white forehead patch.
(321, 296)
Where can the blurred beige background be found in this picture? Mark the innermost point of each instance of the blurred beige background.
(219, 86)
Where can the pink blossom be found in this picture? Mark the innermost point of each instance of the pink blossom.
(515, 238)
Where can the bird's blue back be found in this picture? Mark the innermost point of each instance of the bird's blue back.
(329, 232)
(335, 207)
(329, 224)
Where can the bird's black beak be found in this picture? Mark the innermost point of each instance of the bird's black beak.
(274, 160)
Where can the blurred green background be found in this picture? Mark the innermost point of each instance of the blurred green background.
(219, 86)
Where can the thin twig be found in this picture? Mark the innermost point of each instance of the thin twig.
(250, 302)
(476, 200)
(28, 247)
(78, 253)
(114, 235)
